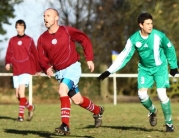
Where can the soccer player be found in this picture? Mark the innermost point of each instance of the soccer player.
(57, 53)
(22, 56)
(155, 53)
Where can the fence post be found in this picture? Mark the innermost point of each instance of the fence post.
(30, 90)
(115, 89)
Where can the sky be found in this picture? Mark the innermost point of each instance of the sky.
(31, 11)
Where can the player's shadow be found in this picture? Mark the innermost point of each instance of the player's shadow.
(75, 136)
(26, 132)
(128, 128)
(42, 134)
(7, 118)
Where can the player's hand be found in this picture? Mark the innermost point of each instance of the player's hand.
(50, 72)
(104, 75)
(38, 73)
(8, 66)
(173, 72)
(90, 65)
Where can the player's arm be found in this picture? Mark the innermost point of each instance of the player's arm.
(120, 61)
(33, 50)
(43, 60)
(8, 58)
(170, 54)
(83, 39)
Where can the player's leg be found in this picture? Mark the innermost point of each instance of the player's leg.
(147, 103)
(18, 97)
(162, 82)
(74, 73)
(30, 108)
(17, 93)
(66, 78)
(146, 81)
(165, 104)
(16, 86)
(65, 85)
(87, 104)
(22, 102)
(23, 81)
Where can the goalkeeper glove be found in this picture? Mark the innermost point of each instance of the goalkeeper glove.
(104, 75)
(173, 72)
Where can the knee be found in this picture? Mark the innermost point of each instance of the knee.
(62, 92)
(77, 99)
(162, 95)
(142, 94)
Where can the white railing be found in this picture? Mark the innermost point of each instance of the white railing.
(86, 75)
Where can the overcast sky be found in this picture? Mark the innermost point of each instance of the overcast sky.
(31, 11)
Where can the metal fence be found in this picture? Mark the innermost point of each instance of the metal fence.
(84, 75)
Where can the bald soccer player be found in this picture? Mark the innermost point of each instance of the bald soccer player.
(58, 55)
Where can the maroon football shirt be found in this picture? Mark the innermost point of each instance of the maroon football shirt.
(59, 50)
(22, 55)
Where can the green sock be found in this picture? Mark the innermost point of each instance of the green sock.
(147, 103)
(167, 112)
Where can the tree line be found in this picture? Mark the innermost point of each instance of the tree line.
(109, 23)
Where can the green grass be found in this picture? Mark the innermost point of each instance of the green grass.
(127, 120)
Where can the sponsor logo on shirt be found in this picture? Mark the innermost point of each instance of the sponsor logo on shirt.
(19, 42)
(145, 45)
(54, 41)
(138, 44)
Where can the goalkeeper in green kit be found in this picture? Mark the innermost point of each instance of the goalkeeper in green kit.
(155, 52)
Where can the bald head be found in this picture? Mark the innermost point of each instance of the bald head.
(51, 17)
(53, 10)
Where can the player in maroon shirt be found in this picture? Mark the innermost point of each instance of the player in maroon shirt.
(57, 53)
(22, 55)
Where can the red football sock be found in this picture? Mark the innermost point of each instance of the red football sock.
(22, 106)
(65, 110)
(88, 105)
(27, 105)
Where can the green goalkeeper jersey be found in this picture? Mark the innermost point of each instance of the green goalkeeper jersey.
(153, 50)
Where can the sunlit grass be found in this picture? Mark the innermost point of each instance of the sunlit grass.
(127, 120)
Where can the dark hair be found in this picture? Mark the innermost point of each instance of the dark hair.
(20, 22)
(144, 16)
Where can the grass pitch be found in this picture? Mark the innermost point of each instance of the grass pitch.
(127, 120)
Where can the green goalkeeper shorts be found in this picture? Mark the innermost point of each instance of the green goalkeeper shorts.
(147, 76)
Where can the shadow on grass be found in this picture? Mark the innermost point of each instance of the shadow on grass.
(80, 136)
(127, 128)
(42, 134)
(7, 118)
